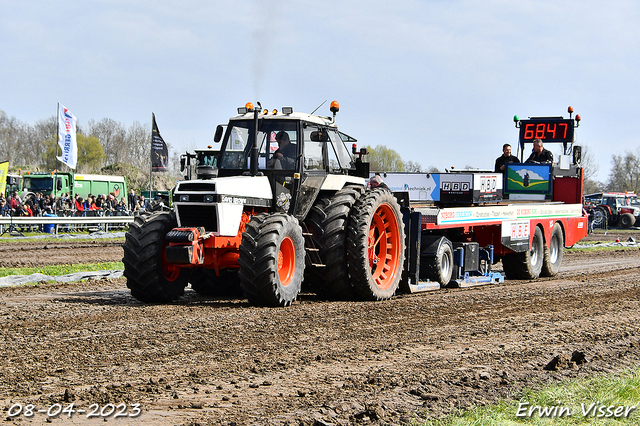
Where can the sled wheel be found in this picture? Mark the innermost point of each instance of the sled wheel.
(553, 255)
(271, 260)
(206, 283)
(149, 276)
(375, 249)
(327, 221)
(440, 267)
(528, 264)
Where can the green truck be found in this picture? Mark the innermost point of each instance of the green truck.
(73, 184)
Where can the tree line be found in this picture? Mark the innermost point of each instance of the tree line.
(104, 147)
(111, 147)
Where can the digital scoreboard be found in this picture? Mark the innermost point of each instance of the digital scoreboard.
(547, 129)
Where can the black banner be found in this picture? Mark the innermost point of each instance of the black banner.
(159, 152)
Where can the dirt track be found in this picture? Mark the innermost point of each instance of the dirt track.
(207, 361)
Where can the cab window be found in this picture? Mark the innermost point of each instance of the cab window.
(313, 148)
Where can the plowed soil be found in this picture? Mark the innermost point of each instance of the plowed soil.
(221, 361)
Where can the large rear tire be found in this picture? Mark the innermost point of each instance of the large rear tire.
(375, 245)
(272, 260)
(600, 218)
(553, 255)
(327, 221)
(206, 283)
(528, 264)
(149, 276)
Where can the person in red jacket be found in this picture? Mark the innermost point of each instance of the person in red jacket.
(79, 206)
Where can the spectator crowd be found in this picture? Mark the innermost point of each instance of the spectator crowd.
(93, 205)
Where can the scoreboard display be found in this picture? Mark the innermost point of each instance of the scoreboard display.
(547, 129)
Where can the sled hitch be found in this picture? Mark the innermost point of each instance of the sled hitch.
(472, 266)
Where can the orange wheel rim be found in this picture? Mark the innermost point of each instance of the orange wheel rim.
(384, 246)
(169, 270)
(286, 261)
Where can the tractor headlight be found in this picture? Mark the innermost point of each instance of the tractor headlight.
(208, 198)
(184, 198)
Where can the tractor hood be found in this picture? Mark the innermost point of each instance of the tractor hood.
(217, 204)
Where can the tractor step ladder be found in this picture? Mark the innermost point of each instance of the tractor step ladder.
(312, 253)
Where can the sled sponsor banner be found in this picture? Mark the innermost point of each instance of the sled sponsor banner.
(159, 151)
(67, 137)
(472, 187)
(479, 215)
(420, 186)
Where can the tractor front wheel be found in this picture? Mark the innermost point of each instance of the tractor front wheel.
(272, 260)
(149, 276)
(627, 220)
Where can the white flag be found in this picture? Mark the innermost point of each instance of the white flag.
(67, 137)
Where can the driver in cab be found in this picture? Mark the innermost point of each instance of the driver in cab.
(285, 156)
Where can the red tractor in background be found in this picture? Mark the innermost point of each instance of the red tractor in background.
(614, 209)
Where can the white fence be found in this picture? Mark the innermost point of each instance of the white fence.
(54, 224)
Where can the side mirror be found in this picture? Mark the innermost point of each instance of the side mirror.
(183, 162)
(218, 136)
(319, 136)
(59, 184)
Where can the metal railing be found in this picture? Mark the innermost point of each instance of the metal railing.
(54, 224)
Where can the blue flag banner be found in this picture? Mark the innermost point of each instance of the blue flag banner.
(67, 137)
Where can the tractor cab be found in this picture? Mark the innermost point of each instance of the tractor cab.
(295, 151)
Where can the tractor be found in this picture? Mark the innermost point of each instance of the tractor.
(258, 223)
(614, 209)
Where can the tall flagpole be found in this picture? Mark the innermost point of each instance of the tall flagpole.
(57, 131)
(150, 155)
(54, 188)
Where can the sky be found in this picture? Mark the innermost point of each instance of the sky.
(438, 81)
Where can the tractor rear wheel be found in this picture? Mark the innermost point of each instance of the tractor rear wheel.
(528, 264)
(553, 255)
(149, 276)
(206, 283)
(327, 222)
(375, 245)
(272, 260)
(600, 218)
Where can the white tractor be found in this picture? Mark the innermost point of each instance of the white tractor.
(259, 220)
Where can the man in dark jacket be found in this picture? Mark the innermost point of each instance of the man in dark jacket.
(285, 155)
(505, 158)
(539, 154)
(132, 200)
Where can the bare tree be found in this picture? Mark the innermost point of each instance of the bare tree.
(138, 142)
(625, 172)
(11, 131)
(112, 137)
(590, 168)
(410, 166)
